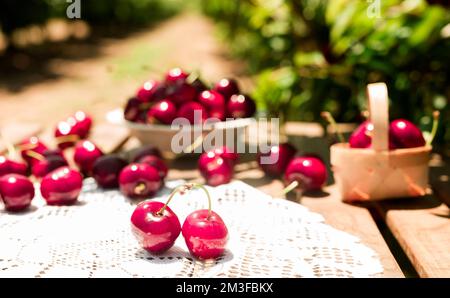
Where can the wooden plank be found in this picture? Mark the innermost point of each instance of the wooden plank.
(16, 132)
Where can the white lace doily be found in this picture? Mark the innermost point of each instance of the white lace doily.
(268, 238)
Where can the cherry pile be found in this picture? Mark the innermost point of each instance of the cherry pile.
(179, 95)
(156, 227)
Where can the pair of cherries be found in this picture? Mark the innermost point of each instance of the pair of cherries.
(303, 173)
(175, 97)
(156, 227)
(217, 165)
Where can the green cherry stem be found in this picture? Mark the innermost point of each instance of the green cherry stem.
(12, 153)
(434, 128)
(35, 155)
(330, 119)
(290, 187)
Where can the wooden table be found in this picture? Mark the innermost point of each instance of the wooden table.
(411, 236)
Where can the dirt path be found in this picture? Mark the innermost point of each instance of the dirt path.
(100, 84)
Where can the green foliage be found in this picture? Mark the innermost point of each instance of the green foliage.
(314, 55)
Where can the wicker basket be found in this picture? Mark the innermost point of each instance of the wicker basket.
(378, 173)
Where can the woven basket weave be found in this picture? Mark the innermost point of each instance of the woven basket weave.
(378, 173)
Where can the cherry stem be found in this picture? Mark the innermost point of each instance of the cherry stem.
(27, 146)
(68, 138)
(35, 155)
(140, 188)
(9, 146)
(290, 187)
(182, 189)
(365, 114)
(434, 128)
(327, 116)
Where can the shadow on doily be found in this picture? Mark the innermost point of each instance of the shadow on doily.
(26, 211)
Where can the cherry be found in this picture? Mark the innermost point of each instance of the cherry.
(61, 186)
(176, 75)
(82, 125)
(361, 137)
(16, 191)
(241, 106)
(215, 169)
(182, 92)
(274, 162)
(157, 163)
(132, 110)
(85, 155)
(155, 230)
(47, 165)
(307, 173)
(226, 153)
(8, 166)
(139, 180)
(106, 170)
(214, 102)
(31, 144)
(404, 134)
(147, 90)
(199, 85)
(144, 151)
(163, 111)
(204, 231)
(65, 135)
(227, 87)
(194, 112)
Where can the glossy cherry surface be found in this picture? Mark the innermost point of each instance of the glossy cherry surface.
(106, 170)
(181, 93)
(163, 111)
(155, 232)
(176, 75)
(47, 165)
(241, 106)
(310, 173)
(16, 191)
(132, 109)
(227, 153)
(157, 163)
(61, 186)
(205, 233)
(227, 87)
(9, 166)
(139, 180)
(82, 125)
(144, 151)
(31, 144)
(194, 112)
(404, 134)
(65, 135)
(274, 162)
(215, 170)
(147, 90)
(86, 153)
(362, 136)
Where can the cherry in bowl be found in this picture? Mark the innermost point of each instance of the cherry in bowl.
(241, 106)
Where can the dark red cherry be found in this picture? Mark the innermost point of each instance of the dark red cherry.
(132, 109)
(86, 153)
(214, 102)
(194, 112)
(8, 166)
(176, 75)
(16, 191)
(61, 186)
(157, 163)
(205, 234)
(31, 144)
(139, 180)
(53, 152)
(241, 106)
(215, 169)
(404, 134)
(47, 165)
(144, 151)
(227, 87)
(199, 85)
(156, 232)
(163, 111)
(274, 162)
(310, 173)
(106, 170)
(147, 90)
(181, 93)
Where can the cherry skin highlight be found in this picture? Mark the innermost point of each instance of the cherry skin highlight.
(241, 106)
(163, 111)
(86, 153)
(310, 173)
(227, 87)
(404, 134)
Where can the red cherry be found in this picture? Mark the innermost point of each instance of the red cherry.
(212, 100)
(227, 87)
(157, 163)
(47, 165)
(144, 151)
(181, 93)
(194, 112)
(147, 90)
(61, 186)
(176, 75)
(139, 180)
(361, 137)
(8, 166)
(82, 125)
(163, 111)
(310, 173)
(215, 169)
(205, 233)
(227, 153)
(132, 109)
(64, 131)
(274, 162)
(404, 134)
(31, 144)
(16, 191)
(106, 170)
(85, 155)
(155, 232)
(241, 106)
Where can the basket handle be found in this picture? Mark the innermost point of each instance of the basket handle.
(377, 95)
